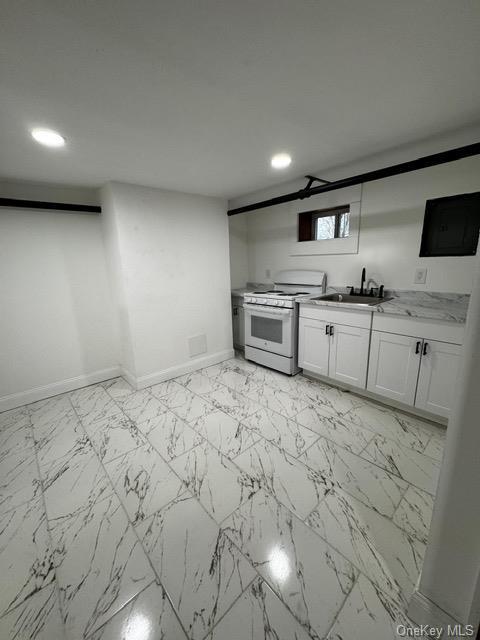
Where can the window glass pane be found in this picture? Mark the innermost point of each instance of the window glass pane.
(344, 226)
(266, 329)
(325, 228)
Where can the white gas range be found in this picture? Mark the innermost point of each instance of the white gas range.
(271, 318)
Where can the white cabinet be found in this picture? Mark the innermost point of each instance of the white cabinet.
(238, 324)
(313, 346)
(349, 355)
(438, 375)
(414, 370)
(393, 368)
(336, 350)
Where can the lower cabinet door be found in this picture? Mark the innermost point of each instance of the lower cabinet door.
(393, 366)
(313, 346)
(437, 377)
(349, 355)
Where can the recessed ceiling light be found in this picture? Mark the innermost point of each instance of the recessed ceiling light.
(281, 160)
(48, 137)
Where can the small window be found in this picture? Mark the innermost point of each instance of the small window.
(324, 224)
(451, 226)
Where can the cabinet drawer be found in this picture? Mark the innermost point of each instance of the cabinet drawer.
(349, 317)
(416, 327)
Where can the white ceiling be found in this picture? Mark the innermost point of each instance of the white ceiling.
(196, 95)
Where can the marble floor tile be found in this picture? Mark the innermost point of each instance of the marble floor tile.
(74, 482)
(435, 448)
(170, 435)
(286, 404)
(232, 402)
(143, 481)
(45, 414)
(214, 480)
(257, 614)
(405, 430)
(225, 433)
(19, 481)
(100, 565)
(408, 464)
(331, 399)
(25, 554)
(186, 404)
(59, 440)
(368, 614)
(17, 418)
(142, 405)
(198, 382)
(37, 618)
(284, 433)
(14, 442)
(335, 428)
(391, 558)
(308, 575)
(292, 483)
(162, 389)
(240, 365)
(414, 513)
(118, 388)
(202, 572)
(236, 379)
(364, 480)
(114, 436)
(149, 616)
(93, 403)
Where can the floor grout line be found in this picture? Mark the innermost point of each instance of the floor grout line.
(132, 527)
(47, 523)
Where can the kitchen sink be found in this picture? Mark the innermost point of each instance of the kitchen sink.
(368, 301)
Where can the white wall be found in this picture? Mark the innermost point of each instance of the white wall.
(391, 225)
(237, 226)
(56, 319)
(172, 258)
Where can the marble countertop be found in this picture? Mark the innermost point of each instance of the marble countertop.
(428, 305)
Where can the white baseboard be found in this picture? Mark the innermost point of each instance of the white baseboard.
(70, 384)
(129, 377)
(55, 388)
(421, 610)
(187, 367)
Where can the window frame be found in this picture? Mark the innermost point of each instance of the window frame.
(307, 220)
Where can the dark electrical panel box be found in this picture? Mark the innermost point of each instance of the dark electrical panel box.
(451, 226)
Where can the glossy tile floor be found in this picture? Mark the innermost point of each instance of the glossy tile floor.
(234, 503)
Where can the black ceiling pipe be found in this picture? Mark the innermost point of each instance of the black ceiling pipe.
(56, 206)
(378, 174)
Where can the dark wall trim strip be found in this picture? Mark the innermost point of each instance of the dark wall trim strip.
(370, 176)
(57, 206)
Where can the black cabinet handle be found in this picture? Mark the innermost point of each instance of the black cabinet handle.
(417, 348)
(331, 329)
(326, 329)
(425, 345)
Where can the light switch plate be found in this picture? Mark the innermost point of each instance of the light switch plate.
(420, 276)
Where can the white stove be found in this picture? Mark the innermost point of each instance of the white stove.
(271, 318)
(275, 298)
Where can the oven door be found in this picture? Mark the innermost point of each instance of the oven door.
(270, 329)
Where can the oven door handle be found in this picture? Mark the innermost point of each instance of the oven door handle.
(265, 310)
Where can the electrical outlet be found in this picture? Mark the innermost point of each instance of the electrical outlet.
(420, 276)
(267, 273)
